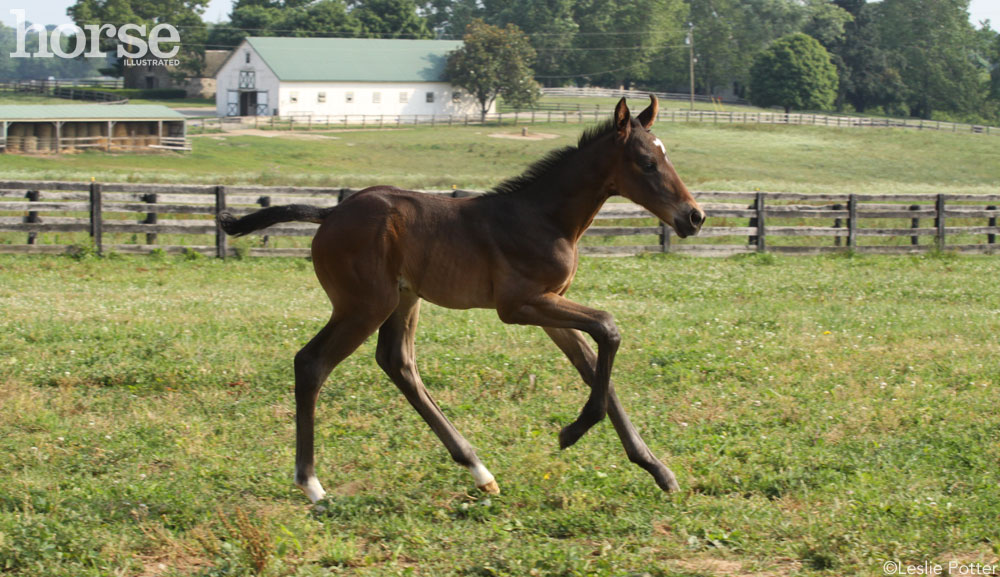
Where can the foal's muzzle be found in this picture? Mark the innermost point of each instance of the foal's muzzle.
(688, 222)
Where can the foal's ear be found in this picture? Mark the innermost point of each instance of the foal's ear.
(623, 120)
(648, 116)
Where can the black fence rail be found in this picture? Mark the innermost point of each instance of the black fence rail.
(57, 217)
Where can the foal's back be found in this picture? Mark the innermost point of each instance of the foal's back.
(443, 249)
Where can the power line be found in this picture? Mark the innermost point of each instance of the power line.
(565, 76)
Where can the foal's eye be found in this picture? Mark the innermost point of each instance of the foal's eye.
(649, 165)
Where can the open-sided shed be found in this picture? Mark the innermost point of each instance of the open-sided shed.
(50, 129)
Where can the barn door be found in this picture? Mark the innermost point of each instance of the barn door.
(233, 103)
(262, 107)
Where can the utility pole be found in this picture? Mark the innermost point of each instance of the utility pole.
(690, 42)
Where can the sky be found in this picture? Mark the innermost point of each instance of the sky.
(54, 11)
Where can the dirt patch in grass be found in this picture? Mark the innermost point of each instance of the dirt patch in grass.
(524, 136)
(734, 568)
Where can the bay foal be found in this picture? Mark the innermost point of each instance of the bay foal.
(381, 251)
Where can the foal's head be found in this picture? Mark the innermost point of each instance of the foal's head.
(646, 176)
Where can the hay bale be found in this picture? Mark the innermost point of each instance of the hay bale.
(46, 134)
(94, 131)
(69, 135)
(120, 136)
(15, 137)
(30, 144)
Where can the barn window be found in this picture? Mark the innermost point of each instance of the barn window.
(293, 97)
(456, 96)
(349, 97)
(248, 56)
(404, 97)
(248, 79)
(321, 97)
(430, 97)
(376, 98)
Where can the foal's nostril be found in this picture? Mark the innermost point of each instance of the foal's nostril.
(696, 217)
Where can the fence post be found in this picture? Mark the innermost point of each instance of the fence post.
(664, 237)
(990, 237)
(221, 247)
(151, 217)
(759, 206)
(915, 223)
(852, 221)
(32, 217)
(837, 223)
(264, 202)
(96, 221)
(939, 221)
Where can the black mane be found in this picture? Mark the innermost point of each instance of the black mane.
(540, 168)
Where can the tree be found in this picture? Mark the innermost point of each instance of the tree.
(494, 61)
(869, 76)
(619, 42)
(289, 18)
(390, 19)
(41, 68)
(185, 15)
(794, 72)
(934, 43)
(549, 25)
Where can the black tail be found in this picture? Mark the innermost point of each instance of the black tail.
(270, 216)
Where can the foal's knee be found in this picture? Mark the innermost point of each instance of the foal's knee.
(307, 370)
(606, 332)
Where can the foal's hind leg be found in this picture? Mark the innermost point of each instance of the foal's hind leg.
(396, 355)
(313, 364)
(584, 359)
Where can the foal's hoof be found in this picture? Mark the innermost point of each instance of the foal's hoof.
(665, 480)
(312, 488)
(490, 488)
(570, 434)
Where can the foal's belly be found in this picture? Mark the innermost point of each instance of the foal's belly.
(456, 284)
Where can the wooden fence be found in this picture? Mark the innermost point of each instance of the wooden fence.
(55, 217)
(522, 117)
(594, 92)
(70, 89)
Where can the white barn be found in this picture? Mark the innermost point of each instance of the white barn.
(339, 76)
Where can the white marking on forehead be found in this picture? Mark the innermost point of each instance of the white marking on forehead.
(663, 149)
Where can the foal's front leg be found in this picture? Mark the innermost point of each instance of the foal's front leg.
(574, 346)
(555, 311)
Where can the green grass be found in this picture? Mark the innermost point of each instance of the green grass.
(22, 98)
(822, 415)
(28, 98)
(708, 157)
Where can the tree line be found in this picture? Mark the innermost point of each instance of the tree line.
(899, 57)
(918, 58)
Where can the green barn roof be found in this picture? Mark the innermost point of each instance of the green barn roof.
(40, 112)
(355, 59)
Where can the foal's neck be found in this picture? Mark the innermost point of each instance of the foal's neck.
(575, 190)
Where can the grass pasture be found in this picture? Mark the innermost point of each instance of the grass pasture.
(823, 415)
(708, 157)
